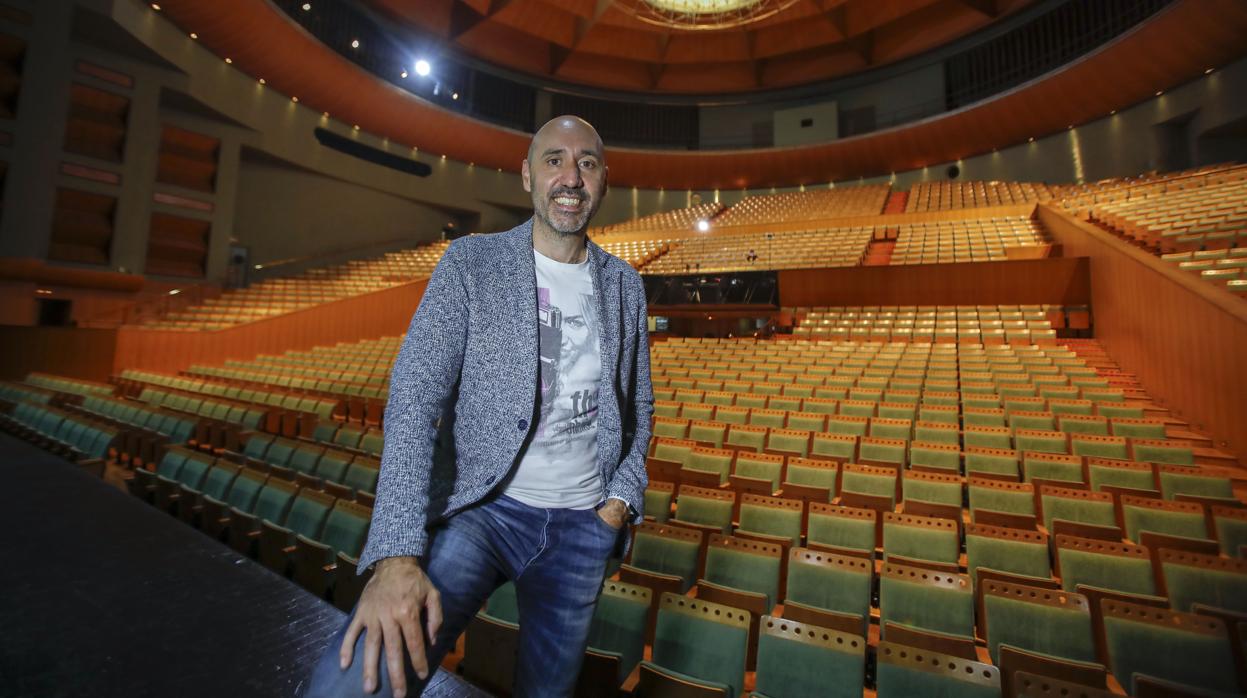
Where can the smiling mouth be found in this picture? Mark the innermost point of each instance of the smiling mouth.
(568, 201)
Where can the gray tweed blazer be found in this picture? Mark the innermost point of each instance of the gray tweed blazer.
(463, 393)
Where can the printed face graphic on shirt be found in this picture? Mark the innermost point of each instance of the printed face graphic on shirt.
(567, 340)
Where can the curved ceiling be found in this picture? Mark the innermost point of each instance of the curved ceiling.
(1168, 50)
(603, 44)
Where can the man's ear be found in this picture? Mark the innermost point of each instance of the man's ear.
(526, 176)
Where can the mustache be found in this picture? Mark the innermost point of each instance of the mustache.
(570, 193)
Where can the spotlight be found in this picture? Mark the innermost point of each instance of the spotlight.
(454, 95)
(194, 35)
(1030, 140)
(1209, 70)
(294, 99)
(703, 226)
(229, 60)
(354, 43)
(1159, 92)
(422, 67)
(262, 81)
(156, 7)
(1112, 112)
(307, 6)
(403, 74)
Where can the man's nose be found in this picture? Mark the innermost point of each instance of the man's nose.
(570, 175)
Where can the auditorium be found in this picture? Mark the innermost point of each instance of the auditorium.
(927, 375)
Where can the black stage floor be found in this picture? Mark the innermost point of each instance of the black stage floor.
(102, 595)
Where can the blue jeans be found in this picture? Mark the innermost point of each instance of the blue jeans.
(557, 559)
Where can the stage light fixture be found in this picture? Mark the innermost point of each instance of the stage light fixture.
(354, 43)
(1207, 71)
(307, 6)
(703, 226)
(1159, 92)
(423, 68)
(262, 81)
(229, 60)
(454, 95)
(194, 35)
(403, 75)
(294, 99)
(156, 7)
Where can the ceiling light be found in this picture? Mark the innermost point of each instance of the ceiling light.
(454, 95)
(156, 7)
(1209, 70)
(354, 43)
(262, 81)
(403, 74)
(194, 35)
(1159, 92)
(703, 226)
(293, 98)
(356, 127)
(307, 6)
(229, 60)
(175, 291)
(1030, 140)
(1070, 127)
(422, 67)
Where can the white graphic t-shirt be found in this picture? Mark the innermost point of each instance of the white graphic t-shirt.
(559, 469)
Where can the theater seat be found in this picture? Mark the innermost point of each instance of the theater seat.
(699, 649)
(904, 672)
(797, 659)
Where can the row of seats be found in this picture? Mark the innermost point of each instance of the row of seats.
(293, 527)
(944, 196)
(287, 294)
(965, 241)
(1223, 267)
(722, 252)
(812, 204)
(673, 219)
(76, 437)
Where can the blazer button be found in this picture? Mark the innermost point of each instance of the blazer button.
(522, 424)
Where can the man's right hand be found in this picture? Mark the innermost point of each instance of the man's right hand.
(389, 610)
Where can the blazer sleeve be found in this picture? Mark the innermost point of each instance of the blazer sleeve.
(631, 478)
(423, 379)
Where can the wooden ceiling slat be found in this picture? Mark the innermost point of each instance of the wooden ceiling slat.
(1179, 43)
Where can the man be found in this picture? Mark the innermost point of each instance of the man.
(515, 440)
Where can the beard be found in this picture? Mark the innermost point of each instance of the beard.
(563, 222)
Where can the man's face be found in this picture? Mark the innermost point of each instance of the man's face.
(566, 175)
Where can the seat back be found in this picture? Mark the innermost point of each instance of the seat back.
(308, 513)
(760, 466)
(171, 462)
(1230, 525)
(1052, 466)
(1112, 473)
(1177, 479)
(1141, 514)
(991, 461)
(1161, 451)
(1183, 647)
(712, 460)
(935, 488)
(361, 475)
(1001, 495)
(796, 659)
(245, 489)
(772, 516)
(220, 477)
(920, 537)
(926, 600)
(1190, 578)
(280, 450)
(194, 469)
(842, 527)
(1100, 563)
(304, 458)
(1011, 550)
(274, 500)
(346, 529)
(747, 565)
(832, 582)
(668, 550)
(1080, 506)
(904, 672)
(332, 465)
(658, 496)
(703, 640)
(619, 623)
(1056, 623)
(812, 472)
(708, 507)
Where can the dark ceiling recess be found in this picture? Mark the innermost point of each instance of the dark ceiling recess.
(354, 148)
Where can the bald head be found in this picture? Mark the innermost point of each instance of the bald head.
(565, 172)
(566, 124)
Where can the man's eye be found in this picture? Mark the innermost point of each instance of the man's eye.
(553, 162)
(588, 164)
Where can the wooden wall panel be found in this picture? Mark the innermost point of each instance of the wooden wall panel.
(67, 351)
(385, 312)
(1184, 338)
(1057, 280)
